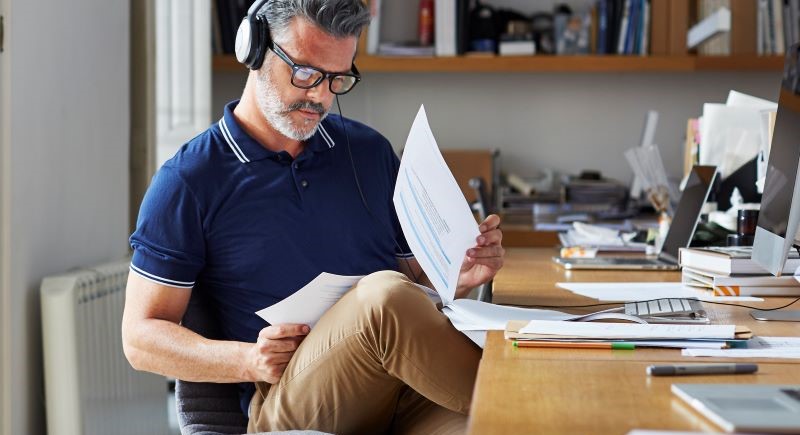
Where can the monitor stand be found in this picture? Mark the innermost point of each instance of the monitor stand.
(778, 315)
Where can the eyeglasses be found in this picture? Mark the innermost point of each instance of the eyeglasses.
(307, 77)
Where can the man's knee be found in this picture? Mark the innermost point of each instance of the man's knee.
(390, 290)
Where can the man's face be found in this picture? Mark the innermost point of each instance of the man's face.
(295, 112)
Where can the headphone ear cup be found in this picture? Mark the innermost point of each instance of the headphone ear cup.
(261, 43)
(244, 42)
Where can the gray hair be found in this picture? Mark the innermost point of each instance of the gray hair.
(340, 18)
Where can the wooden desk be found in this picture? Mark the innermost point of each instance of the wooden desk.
(593, 391)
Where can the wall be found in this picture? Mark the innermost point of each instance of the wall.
(566, 121)
(64, 197)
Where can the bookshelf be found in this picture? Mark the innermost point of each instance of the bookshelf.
(544, 64)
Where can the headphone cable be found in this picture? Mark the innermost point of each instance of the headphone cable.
(364, 199)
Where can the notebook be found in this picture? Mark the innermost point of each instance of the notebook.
(680, 233)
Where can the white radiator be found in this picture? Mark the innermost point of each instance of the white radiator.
(90, 387)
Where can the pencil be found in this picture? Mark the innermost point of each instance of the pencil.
(576, 344)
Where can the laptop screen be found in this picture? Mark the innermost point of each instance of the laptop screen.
(684, 221)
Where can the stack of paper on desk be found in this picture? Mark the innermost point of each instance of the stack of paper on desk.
(742, 285)
(647, 335)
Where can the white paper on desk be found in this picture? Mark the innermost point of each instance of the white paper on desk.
(436, 219)
(738, 99)
(759, 347)
(472, 315)
(665, 432)
(642, 291)
(628, 330)
(307, 305)
(742, 353)
(730, 136)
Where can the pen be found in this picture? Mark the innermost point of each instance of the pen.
(576, 344)
(701, 369)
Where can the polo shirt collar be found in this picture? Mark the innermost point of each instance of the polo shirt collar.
(247, 149)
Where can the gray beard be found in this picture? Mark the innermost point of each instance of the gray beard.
(277, 113)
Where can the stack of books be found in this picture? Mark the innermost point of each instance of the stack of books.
(730, 271)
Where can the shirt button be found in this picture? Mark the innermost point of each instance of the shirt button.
(296, 166)
(304, 183)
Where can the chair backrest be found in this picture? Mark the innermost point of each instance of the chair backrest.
(207, 408)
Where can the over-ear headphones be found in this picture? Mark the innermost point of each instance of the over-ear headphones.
(253, 37)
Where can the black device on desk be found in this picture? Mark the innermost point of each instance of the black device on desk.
(687, 214)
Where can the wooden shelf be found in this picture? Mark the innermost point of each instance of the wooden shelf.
(590, 64)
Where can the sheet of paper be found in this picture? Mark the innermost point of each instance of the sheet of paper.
(743, 353)
(758, 347)
(640, 291)
(435, 217)
(731, 136)
(471, 315)
(738, 99)
(627, 331)
(307, 305)
(665, 432)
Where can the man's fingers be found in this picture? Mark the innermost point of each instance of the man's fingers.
(494, 263)
(283, 330)
(486, 252)
(278, 345)
(490, 223)
(493, 237)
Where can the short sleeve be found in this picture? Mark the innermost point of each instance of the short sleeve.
(169, 243)
(404, 250)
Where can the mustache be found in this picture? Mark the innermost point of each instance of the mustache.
(306, 105)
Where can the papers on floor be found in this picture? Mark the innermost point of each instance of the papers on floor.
(436, 219)
(640, 291)
(757, 347)
(307, 305)
(625, 331)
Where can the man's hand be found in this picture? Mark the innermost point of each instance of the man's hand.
(484, 259)
(269, 355)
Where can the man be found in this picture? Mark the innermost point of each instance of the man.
(262, 202)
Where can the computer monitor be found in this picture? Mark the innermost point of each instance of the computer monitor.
(779, 218)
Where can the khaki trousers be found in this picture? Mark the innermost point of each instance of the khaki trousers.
(382, 360)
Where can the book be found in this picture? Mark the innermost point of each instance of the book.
(444, 22)
(374, 30)
(727, 261)
(747, 285)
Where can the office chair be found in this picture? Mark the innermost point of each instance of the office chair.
(206, 408)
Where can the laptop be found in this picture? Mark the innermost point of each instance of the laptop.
(684, 223)
(745, 408)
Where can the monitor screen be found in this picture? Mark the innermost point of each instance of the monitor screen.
(784, 155)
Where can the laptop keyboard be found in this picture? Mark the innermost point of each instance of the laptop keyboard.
(664, 307)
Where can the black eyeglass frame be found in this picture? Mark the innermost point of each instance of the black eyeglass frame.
(324, 74)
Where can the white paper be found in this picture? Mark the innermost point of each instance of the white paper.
(743, 353)
(730, 136)
(665, 432)
(642, 291)
(757, 347)
(468, 314)
(738, 99)
(628, 330)
(307, 305)
(435, 217)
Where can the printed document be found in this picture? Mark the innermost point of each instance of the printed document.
(639, 291)
(435, 217)
(307, 305)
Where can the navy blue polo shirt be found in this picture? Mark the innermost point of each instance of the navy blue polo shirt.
(247, 227)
